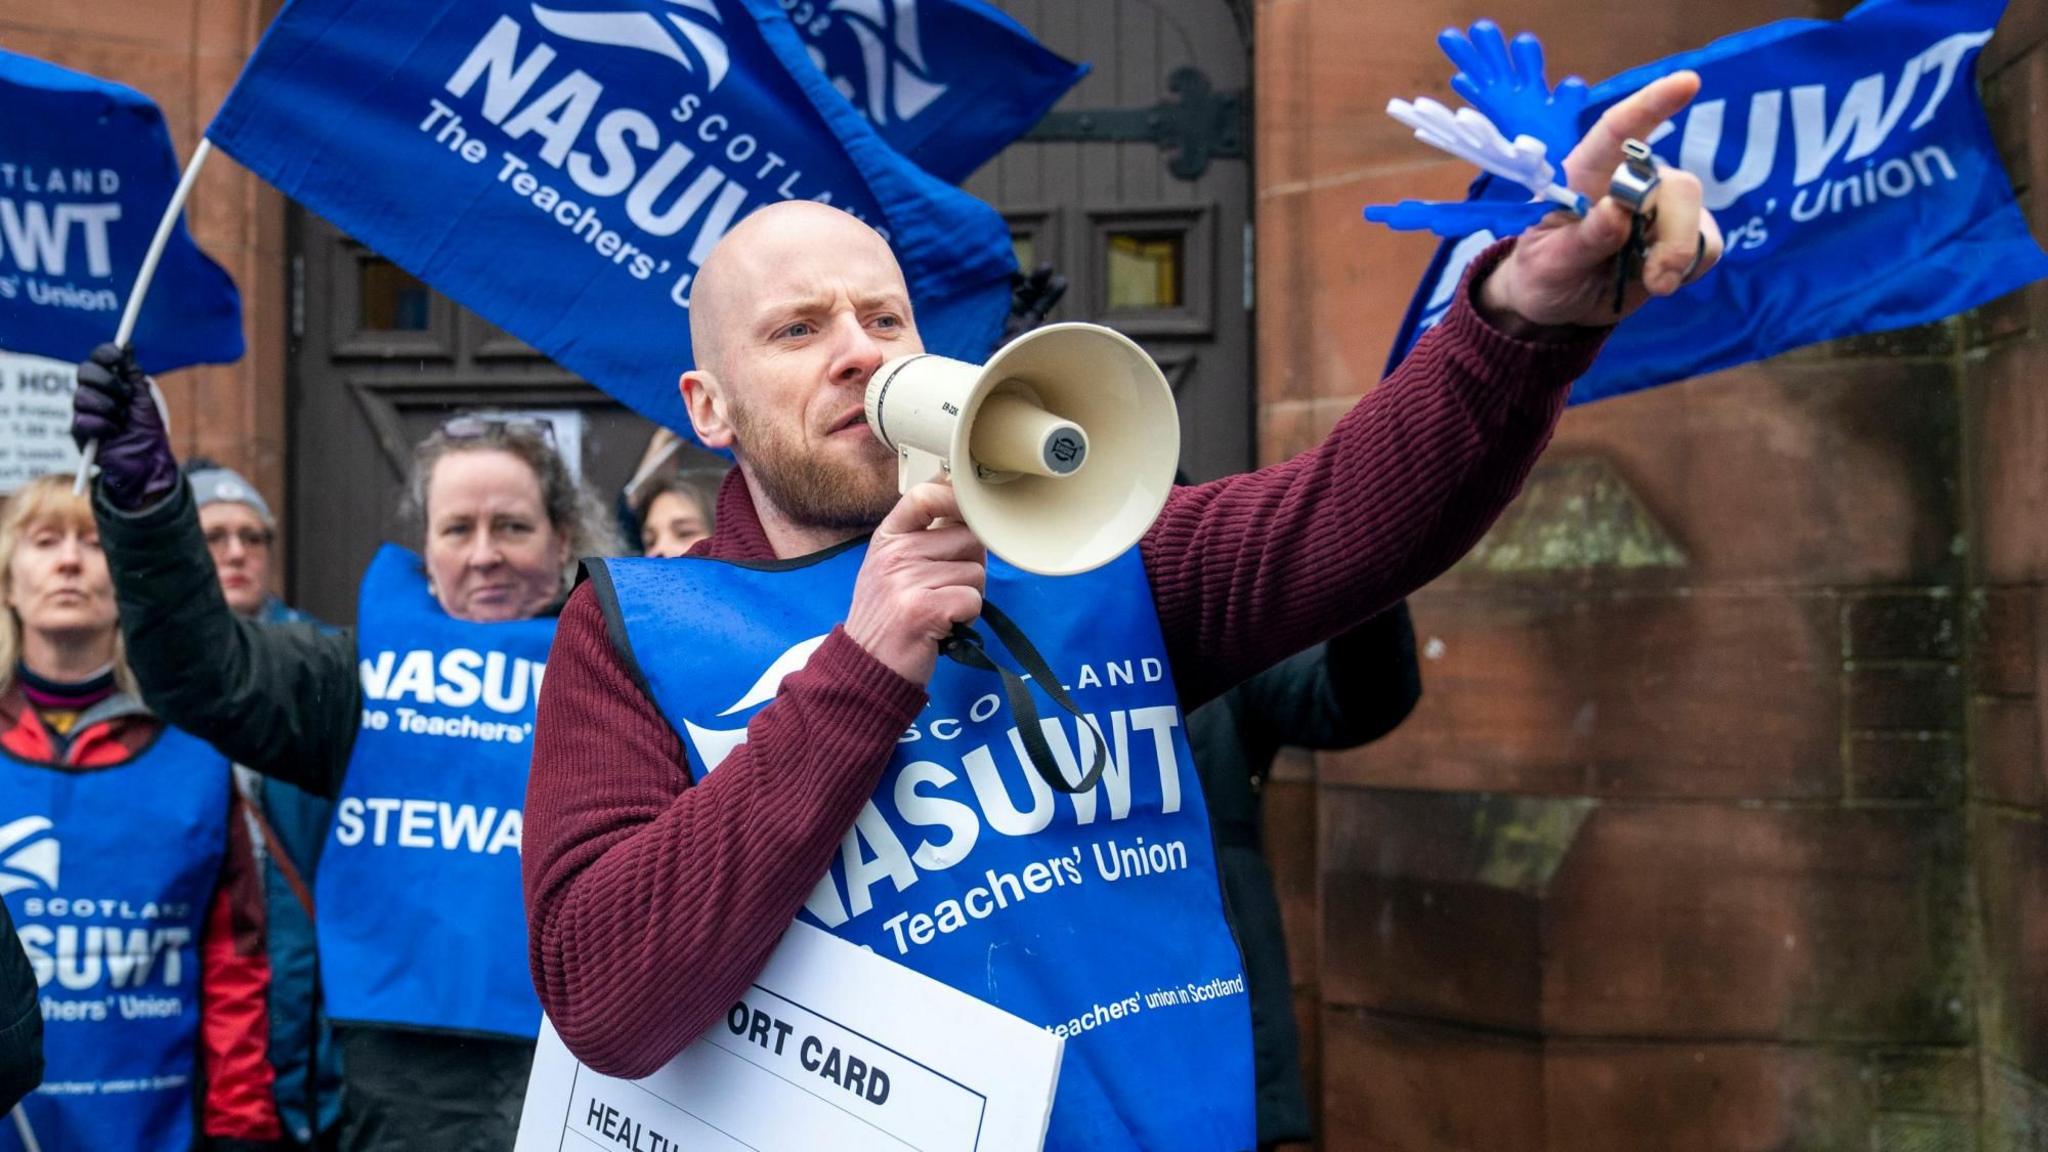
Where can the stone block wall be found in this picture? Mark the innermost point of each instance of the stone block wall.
(1720, 825)
(2004, 496)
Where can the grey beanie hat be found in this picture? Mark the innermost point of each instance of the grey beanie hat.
(226, 486)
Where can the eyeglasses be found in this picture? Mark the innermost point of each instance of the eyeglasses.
(478, 427)
(252, 539)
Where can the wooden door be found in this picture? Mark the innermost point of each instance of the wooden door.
(378, 360)
(1138, 188)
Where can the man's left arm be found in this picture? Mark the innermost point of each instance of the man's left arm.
(1251, 568)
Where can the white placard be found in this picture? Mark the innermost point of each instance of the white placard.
(35, 418)
(833, 1047)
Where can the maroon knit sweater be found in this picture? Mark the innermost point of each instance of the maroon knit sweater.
(653, 904)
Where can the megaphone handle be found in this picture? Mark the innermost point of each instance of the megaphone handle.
(961, 640)
(916, 466)
(964, 646)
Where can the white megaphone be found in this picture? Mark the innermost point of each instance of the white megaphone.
(1061, 448)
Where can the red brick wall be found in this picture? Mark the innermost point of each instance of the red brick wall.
(1720, 823)
(185, 54)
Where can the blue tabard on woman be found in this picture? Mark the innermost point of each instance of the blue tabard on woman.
(108, 873)
(1097, 915)
(421, 924)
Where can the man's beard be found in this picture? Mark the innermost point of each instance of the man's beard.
(812, 491)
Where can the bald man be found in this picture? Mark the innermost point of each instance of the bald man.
(767, 729)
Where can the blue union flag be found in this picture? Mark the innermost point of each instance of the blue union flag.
(564, 170)
(86, 169)
(1850, 165)
(947, 83)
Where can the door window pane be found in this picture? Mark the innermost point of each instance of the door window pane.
(1025, 246)
(392, 299)
(1145, 270)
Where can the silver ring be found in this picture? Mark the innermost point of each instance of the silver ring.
(1699, 253)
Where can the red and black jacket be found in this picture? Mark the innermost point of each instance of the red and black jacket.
(236, 1101)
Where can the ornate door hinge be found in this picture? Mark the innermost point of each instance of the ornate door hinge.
(1201, 125)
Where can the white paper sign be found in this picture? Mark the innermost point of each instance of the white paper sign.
(833, 1047)
(35, 418)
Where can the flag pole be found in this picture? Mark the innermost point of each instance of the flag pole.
(28, 1134)
(133, 310)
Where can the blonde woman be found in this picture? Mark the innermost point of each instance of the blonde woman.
(113, 831)
(418, 723)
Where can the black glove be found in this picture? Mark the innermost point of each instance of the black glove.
(1031, 298)
(113, 405)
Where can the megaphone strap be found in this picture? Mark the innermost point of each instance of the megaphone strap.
(964, 646)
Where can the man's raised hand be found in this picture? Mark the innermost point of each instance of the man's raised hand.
(1562, 272)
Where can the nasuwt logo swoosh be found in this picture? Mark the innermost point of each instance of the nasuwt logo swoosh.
(683, 37)
(29, 855)
(713, 745)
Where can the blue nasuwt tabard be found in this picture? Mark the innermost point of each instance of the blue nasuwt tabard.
(108, 873)
(1097, 915)
(421, 923)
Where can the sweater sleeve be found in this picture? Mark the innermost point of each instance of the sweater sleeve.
(283, 699)
(1248, 569)
(652, 904)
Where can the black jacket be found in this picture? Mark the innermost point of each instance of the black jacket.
(21, 1019)
(1352, 690)
(282, 698)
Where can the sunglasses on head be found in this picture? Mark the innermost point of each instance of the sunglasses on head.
(478, 427)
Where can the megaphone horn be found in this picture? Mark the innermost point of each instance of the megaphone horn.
(1061, 448)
